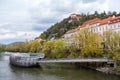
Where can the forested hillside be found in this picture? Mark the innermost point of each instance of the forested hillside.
(58, 29)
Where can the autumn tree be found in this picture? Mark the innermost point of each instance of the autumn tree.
(59, 50)
(48, 47)
(89, 43)
(1, 48)
(72, 50)
(112, 42)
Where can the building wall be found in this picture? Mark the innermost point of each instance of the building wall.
(95, 28)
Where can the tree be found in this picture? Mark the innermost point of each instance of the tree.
(112, 41)
(35, 46)
(48, 47)
(59, 50)
(89, 43)
(1, 48)
(16, 47)
(63, 26)
(72, 50)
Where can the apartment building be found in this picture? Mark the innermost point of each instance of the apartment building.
(96, 25)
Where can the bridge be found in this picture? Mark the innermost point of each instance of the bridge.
(108, 62)
(27, 60)
(80, 60)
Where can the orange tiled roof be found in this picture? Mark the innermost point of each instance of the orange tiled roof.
(70, 31)
(109, 20)
(105, 21)
(90, 22)
(115, 20)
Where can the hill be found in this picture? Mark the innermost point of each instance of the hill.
(14, 43)
(73, 21)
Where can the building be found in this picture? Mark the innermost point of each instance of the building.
(75, 16)
(68, 35)
(96, 26)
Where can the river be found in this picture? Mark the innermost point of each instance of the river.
(8, 72)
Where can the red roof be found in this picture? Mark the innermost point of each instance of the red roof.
(115, 20)
(105, 21)
(71, 31)
(90, 22)
(109, 20)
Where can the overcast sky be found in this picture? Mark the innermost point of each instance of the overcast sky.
(22, 20)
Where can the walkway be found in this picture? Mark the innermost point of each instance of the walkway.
(75, 60)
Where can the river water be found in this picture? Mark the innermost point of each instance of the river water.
(8, 72)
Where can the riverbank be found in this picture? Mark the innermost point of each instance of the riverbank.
(8, 72)
(99, 66)
(106, 70)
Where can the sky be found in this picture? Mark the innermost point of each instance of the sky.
(22, 20)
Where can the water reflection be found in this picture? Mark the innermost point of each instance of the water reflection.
(8, 72)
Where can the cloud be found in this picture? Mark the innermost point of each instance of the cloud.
(7, 35)
(88, 1)
(27, 19)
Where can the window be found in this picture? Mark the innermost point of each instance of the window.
(106, 27)
(92, 30)
(103, 28)
(96, 29)
(100, 28)
(114, 26)
(118, 25)
(110, 27)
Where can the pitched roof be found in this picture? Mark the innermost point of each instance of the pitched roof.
(115, 20)
(105, 21)
(71, 31)
(109, 20)
(90, 22)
